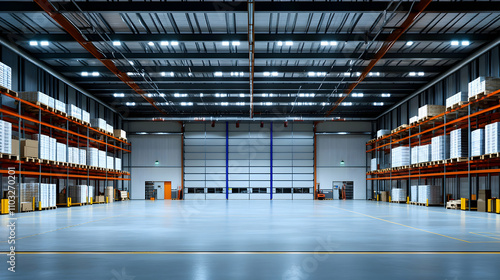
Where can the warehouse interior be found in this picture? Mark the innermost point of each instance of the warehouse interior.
(205, 139)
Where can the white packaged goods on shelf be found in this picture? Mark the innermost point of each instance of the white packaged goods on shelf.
(74, 111)
(431, 193)
(491, 138)
(53, 149)
(92, 157)
(414, 193)
(99, 123)
(414, 119)
(424, 153)
(85, 116)
(82, 156)
(28, 191)
(373, 164)
(400, 156)
(383, 132)
(52, 102)
(483, 84)
(477, 142)
(430, 111)
(61, 106)
(34, 97)
(440, 147)
(102, 159)
(5, 137)
(398, 195)
(456, 98)
(458, 143)
(74, 155)
(78, 193)
(90, 192)
(118, 163)
(414, 154)
(44, 143)
(61, 152)
(110, 193)
(110, 162)
(5, 76)
(109, 128)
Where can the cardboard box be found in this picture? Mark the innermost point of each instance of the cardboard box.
(384, 196)
(29, 143)
(430, 111)
(100, 198)
(26, 206)
(482, 200)
(15, 147)
(119, 133)
(27, 151)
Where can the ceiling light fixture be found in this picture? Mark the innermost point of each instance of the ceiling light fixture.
(225, 43)
(465, 43)
(386, 95)
(409, 43)
(421, 74)
(164, 43)
(95, 74)
(274, 74)
(455, 43)
(218, 74)
(413, 74)
(118, 94)
(378, 103)
(235, 43)
(33, 43)
(130, 103)
(324, 43)
(266, 74)
(44, 43)
(174, 43)
(117, 43)
(289, 43)
(280, 43)
(333, 43)
(347, 74)
(85, 74)
(151, 44)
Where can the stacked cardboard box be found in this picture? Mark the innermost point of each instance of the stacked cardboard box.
(482, 200)
(373, 164)
(29, 148)
(440, 147)
(119, 133)
(61, 152)
(414, 154)
(90, 192)
(5, 76)
(92, 157)
(28, 191)
(456, 98)
(492, 133)
(15, 147)
(110, 161)
(118, 164)
(383, 132)
(52, 102)
(53, 149)
(82, 157)
(99, 123)
(430, 111)
(430, 193)
(398, 195)
(61, 106)
(78, 193)
(424, 153)
(44, 195)
(384, 196)
(400, 156)
(477, 143)
(414, 193)
(5, 137)
(483, 84)
(45, 145)
(35, 97)
(74, 111)
(102, 159)
(459, 143)
(414, 119)
(110, 193)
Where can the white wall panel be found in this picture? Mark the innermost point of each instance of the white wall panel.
(260, 163)
(261, 196)
(194, 177)
(286, 169)
(194, 196)
(196, 170)
(303, 196)
(215, 142)
(194, 134)
(239, 162)
(239, 184)
(303, 184)
(282, 196)
(282, 142)
(282, 149)
(188, 156)
(216, 134)
(282, 155)
(303, 169)
(239, 169)
(303, 162)
(309, 156)
(194, 162)
(303, 142)
(215, 162)
(282, 177)
(220, 156)
(215, 149)
(303, 149)
(280, 162)
(194, 142)
(194, 184)
(216, 184)
(260, 184)
(216, 176)
(216, 196)
(211, 170)
(239, 177)
(303, 177)
(282, 184)
(260, 177)
(239, 149)
(239, 196)
(195, 149)
(260, 156)
(254, 169)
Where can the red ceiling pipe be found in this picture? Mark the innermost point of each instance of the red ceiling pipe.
(391, 40)
(89, 46)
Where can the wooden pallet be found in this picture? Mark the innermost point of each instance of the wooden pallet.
(9, 156)
(456, 105)
(476, 158)
(31, 159)
(494, 155)
(123, 139)
(49, 208)
(459, 159)
(8, 91)
(398, 201)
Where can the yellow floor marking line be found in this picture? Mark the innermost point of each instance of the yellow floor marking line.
(484, 235)
(387, 221)
(61, 228)
(252, 253)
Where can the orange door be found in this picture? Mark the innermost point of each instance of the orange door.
(168, 190)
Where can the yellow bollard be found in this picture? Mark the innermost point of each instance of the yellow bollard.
(107, 199)
(91, 200)
(489, 206)
(498, 206)
(378, 199)
(4, 209)
(68, 202)
(34, 204)
(39, 206)
(427, 203)
(390, 199)
(407, 200)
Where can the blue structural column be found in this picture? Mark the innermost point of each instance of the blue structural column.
(227, 160)
(271, 163)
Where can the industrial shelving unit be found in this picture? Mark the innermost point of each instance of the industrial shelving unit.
(29, 118)
(481, 110)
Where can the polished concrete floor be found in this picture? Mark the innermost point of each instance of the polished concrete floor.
(254, 240)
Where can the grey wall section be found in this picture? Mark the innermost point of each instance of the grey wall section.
(146, 149)
(350, 148)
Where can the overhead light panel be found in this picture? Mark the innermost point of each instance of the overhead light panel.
(225, 43)
(280, 43)
(235, 43)
(33, 43)
(131, 63)
(171, 74)
(240, 103)
(289, 43)
(455, 43)
(163, 74)
(151, 44)
(311, 74)
(386, 95)
(324, 43)
(409, 43)
(413, 74)
(266, 74)
(465, 43)
(118, 94)
(274, 74)
(218, 74)
(378, 103)
(333, 43)
(174, 43)
(358, 74)
(357, 94)
(346, 103)
(149, 95)
(130, 103)
(347, 74)
(186, 103)
(95, 74)
(201, 94)
(44, 43)
(117, 43)
(164, 43)
(224, 103)
(161, 94)
(421, 74)
(85, 74)
(242, 95)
